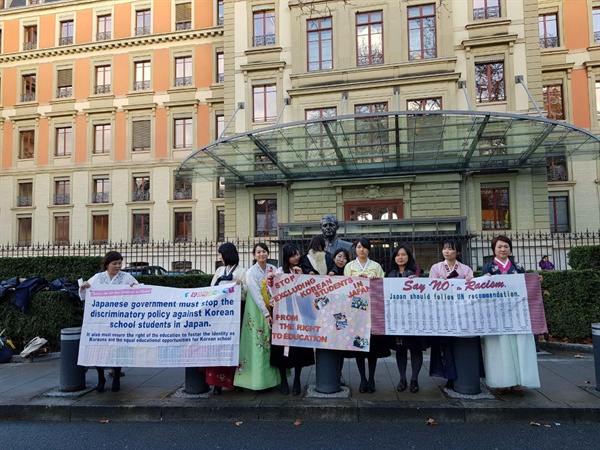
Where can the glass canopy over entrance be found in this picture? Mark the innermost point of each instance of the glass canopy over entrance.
(387, 144)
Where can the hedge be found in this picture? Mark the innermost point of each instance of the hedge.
(51, 267)
(585, 257)
(572, 302)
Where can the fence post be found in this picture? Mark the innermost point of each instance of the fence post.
(596, 347)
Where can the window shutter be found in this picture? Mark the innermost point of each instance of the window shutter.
(65, 77)
(141, 134)
(183, 12)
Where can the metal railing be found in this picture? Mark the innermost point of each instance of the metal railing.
(28, 97)
(29, 45)
(67, 40)
(528, 249)
(102, 89)
(486, 13)
(100, 197)
(183, 81)
(103, 36)
(142, 31)
(24, 201)
(180, 26)
(64, 92)
(264, 40)
(62, 199)
(141, 85)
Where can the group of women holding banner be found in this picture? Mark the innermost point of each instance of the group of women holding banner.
(509, 361)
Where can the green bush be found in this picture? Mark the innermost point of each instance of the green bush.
(572, 302)
(585, 257)
(51, 267)
(49, 312)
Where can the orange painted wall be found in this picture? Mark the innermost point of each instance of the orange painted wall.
(581, 98)
(122, 25)
(80, 139)
(203, 15)
(47, 31)
(161, 72)
(44, 84)
(9, 86)
(120, 136)
(204, 65)
(11, 28)
(161, 17)
(120, 74)
(83, 26)
(7, 144)
(81, 78)
(203, 127)
(43, 141)
(160, 133)
(575, 24)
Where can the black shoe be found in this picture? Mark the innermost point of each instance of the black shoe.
(371, 387)
(450, 384)
(414, 386)
(218, 390)
(363, 387)
(402, 385)
(284, 388)
(116, 384)
(296, 389)
(101, 380)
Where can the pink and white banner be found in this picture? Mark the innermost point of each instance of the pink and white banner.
(321, 312)
(155, 326)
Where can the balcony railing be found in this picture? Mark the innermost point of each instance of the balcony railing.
(267, 39)
(557, 173)
(142, 31)
(26, 154)
(180, 26)
(220, 21)
(140, 240)
(141, 85)
(183, 81)
(28, 97)
(100, 197)
(220, 78)
(490, 12)
(62, 199)
(29, 45)
(67, 40)
(140, 196)
(64, 92)
(24, 201)
(596, 36)
(103, 89)
(549, 42)
(103, 36)
(182, 194)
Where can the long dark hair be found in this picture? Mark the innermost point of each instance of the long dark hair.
(316, 243)
(365, 242)
(287, 251)
(229, 254)
(410, 265)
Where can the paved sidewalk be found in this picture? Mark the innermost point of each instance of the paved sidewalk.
(28, 391)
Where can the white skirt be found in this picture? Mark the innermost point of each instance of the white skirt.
(510, 360)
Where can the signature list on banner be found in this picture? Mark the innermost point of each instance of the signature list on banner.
(321, 312)
(155, 326)
(434, 307)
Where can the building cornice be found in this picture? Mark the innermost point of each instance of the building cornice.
(135, 41)
(503, 39)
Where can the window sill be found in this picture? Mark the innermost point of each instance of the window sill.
(262, 50)
(23, 208)
(69, 206)
(140, 203)
(554, 51)
(486, 23)
(99, 205)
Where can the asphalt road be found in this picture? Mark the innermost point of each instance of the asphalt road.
(286, 435)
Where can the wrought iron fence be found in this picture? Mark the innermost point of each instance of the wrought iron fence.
(528, 249)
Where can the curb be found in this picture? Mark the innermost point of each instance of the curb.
(354, 411)
(579, 348)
